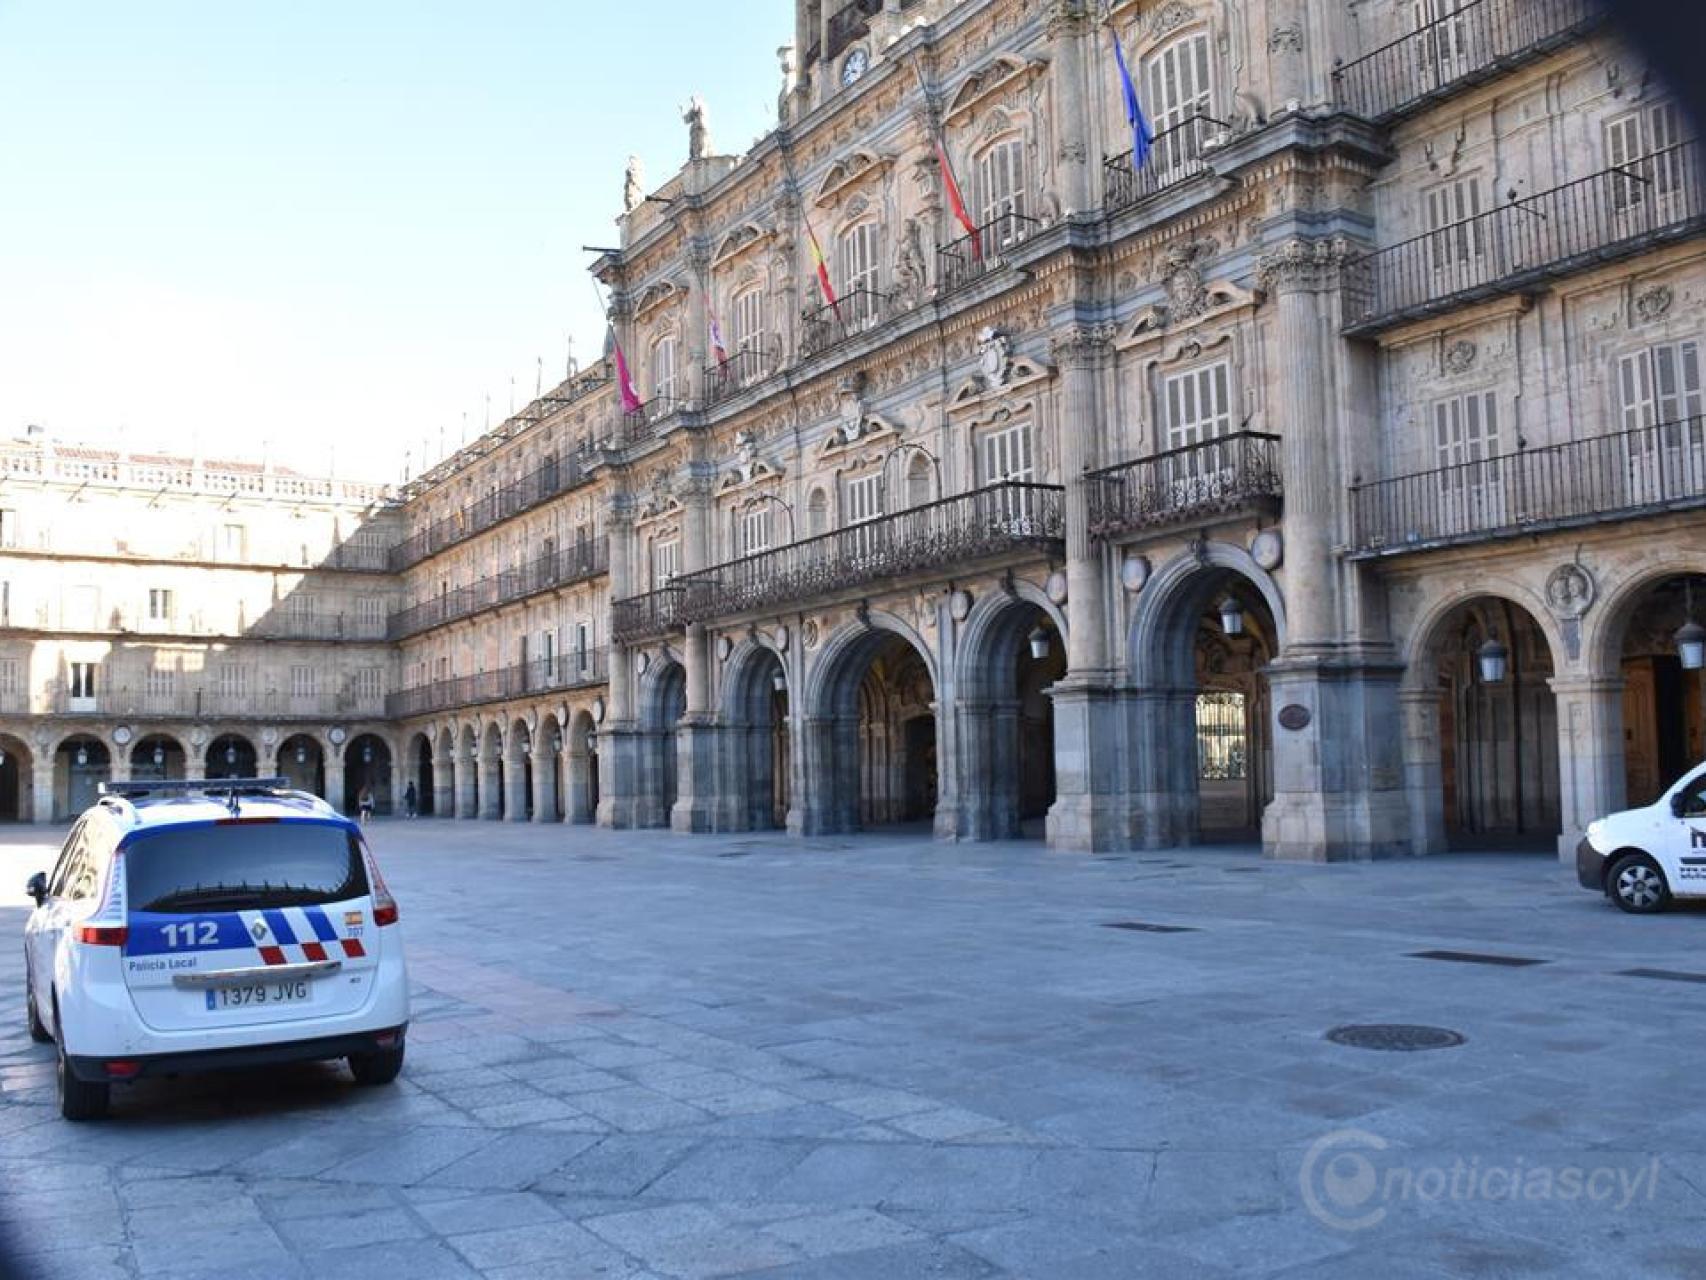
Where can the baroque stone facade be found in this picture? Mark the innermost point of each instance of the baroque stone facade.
(1181, 500)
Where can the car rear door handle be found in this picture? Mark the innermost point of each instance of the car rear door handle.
(259, 973)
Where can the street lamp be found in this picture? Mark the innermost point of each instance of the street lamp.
(1231, 617)
(1039, 642)
(1691, 636)
(367, 753)
(82, 755)
(301, 753)
(230, 753)
(779, 682)
(159, 755)
(1493, 659)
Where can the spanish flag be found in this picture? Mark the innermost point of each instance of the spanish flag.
(955, 201)
(822, 268)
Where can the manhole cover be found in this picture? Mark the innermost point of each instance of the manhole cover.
(1395, 1037)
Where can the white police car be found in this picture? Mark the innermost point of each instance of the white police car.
(1641, 858)
(194, 926)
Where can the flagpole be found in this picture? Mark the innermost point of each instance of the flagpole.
(817, 249)
(950, 181)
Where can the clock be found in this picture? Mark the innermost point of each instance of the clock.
(854, 66)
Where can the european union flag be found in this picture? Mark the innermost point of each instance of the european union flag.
(1141, 137)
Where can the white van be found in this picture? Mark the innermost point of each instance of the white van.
(1641, 858)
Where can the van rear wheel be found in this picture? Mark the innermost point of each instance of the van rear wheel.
(1636, 884)
(78, 1099)
(378, 1067)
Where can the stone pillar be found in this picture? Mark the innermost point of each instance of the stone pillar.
(399, 780)
(1591, 781)
(1091, 811)
(119, 769)
(823, 806)
(195, 764)
(696, 755)
(444, 786)
(515, 784)
(1424, 773)
(618, 737)
(1076, 140)
(41, 789)
(466, 767)
(335, 779)
(491, 786)
(545, 782)
(1288, 64)
(1338, 765)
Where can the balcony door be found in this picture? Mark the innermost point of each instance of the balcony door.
(864, 508)
(1445, 48)
(1008, 456)
(1664, 453)
(1197, 408)
(1470, 487)
(1649, 169)
(858, 253)
(1001, 196)
(1179, 95)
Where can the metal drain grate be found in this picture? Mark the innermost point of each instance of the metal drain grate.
(1142, 926)
(1477, 957)
(1663, 975)
(1395, 1037)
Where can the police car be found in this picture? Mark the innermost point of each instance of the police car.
(1641, 858)
(193, 926)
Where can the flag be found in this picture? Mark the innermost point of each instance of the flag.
(822, 268)
(719, 348)
(955, 201)
(1141, 137)
(631, 402)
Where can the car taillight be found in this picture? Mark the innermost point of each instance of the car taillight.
(384, 911)
(384, 905)
(103, 935)
(124, 1070)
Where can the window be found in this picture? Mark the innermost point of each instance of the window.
(231, 680)
(817, 514)
(82, 682)
(755, 530)
(161, 682)
(11, 677)
(370, 612)
(5, 604)
(1457, 236)
(1001, 195)
(8, 528)
(857, 253)
(666, 562)
(370, 684)
(233, 542)
(303, 682)
(1197, 408)
(1222, 741)
(918, 481)
(749, 322)
(1466, 444)
(1007, 456)
(1177, 76)
(159, 604)
(1660, 401)
(864, 504)
(664, 385)
(583, 646)
(1443, 53)
(1642, 149)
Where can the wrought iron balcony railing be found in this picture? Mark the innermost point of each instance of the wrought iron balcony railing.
(543, 675)
(1475, 42)
(1612, 214)
(1225, 476)
(561, 568)
(1175, 154)
(744, 368)
(647, 616)
(973, 255)
(1648, 470)
(123, 702)
(936, 537)
(546, 481)
(854, 312)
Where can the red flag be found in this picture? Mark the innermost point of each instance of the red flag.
(631, 402)
(822, 267)
(955, 201)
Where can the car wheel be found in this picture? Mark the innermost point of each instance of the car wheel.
(32, 1015)
(78, 1099)
(379, 1067)
(1636, 884)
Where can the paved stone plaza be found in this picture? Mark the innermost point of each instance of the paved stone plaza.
(637, 1054)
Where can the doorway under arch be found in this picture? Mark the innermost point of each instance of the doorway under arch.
(663, 703)
(519, 750)
(1664, 715)
(468, 774)
(420, 776)
(157, 757)
(581, 802)
(548, 771)
(17, 780)
(367, 764)
(231, 755)
(1006, 721)
(491, 773)
(302, 760)
(80, 765)
(756, 747)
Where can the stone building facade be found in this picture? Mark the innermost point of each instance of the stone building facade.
(1330, 479)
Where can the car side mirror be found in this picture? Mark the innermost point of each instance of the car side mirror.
(37, 887)
(1679, 805)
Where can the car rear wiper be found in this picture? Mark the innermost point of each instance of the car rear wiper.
(237, 897)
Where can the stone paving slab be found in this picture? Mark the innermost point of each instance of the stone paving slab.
(885, 1057)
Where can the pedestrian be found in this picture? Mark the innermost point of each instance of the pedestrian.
(364, 803)
(410, 801)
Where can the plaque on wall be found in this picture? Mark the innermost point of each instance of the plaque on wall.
(1294, 716)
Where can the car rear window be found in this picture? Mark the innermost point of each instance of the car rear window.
(243, 866)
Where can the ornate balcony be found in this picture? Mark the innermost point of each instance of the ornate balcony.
(1646, 471)
(1475, 42)
(1527, 243)
(550, 478)
(856, 311)
(648, 616)
(546, 675)
(562, 568)
(936, 538)
(1175, 154)
(975, 254)
(744, 368)
(1227, 476)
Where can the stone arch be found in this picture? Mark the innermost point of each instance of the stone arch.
(1201, 738)
(1004, 717)
(418, 775)
(1481, 756)
(302, 759)
(158, 756)
(81, 762)
(17, 780)
(548, 771)
(581, 805)
(871, 729)
(231, 755)
(1606, 624)
(368, 757)
(490, 763)
(444, 773)
(662, 701)
(519, 751)
(756, 755)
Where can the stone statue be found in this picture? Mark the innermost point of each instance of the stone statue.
(633, 186)
(910, 270)
(747, 466)
(698, 135)
(790, 79)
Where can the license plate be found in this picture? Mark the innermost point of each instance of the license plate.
(258, 995)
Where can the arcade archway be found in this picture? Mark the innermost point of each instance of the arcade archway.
(302, 760)
(367, 766)
(231, 755)
(755, 742)
(17, 780)
(80, 765)
(1006, 720)
(663, 703)
(157, 757)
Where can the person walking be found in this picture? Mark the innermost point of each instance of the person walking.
(364, 803)
(411, 802)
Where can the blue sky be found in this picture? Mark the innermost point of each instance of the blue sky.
(330, 225)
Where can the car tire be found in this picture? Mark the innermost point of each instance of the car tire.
(1636, 884)
(78, 1099)
(379, 1067)
(32, 1015)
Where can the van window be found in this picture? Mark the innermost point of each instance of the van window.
(243, 866)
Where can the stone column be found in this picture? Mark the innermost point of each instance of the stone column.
(515, 784)
(1338, 765)
(41, 789)
(695, 775)
(1424, 773)
(1069, 28)
(335, 779)
(491, 787)
(1092, 806)
(544, 782)
(119, 769)
(1591, 781)
(444, 786)
(618, 735)
(1288, 63)
(466, 768)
